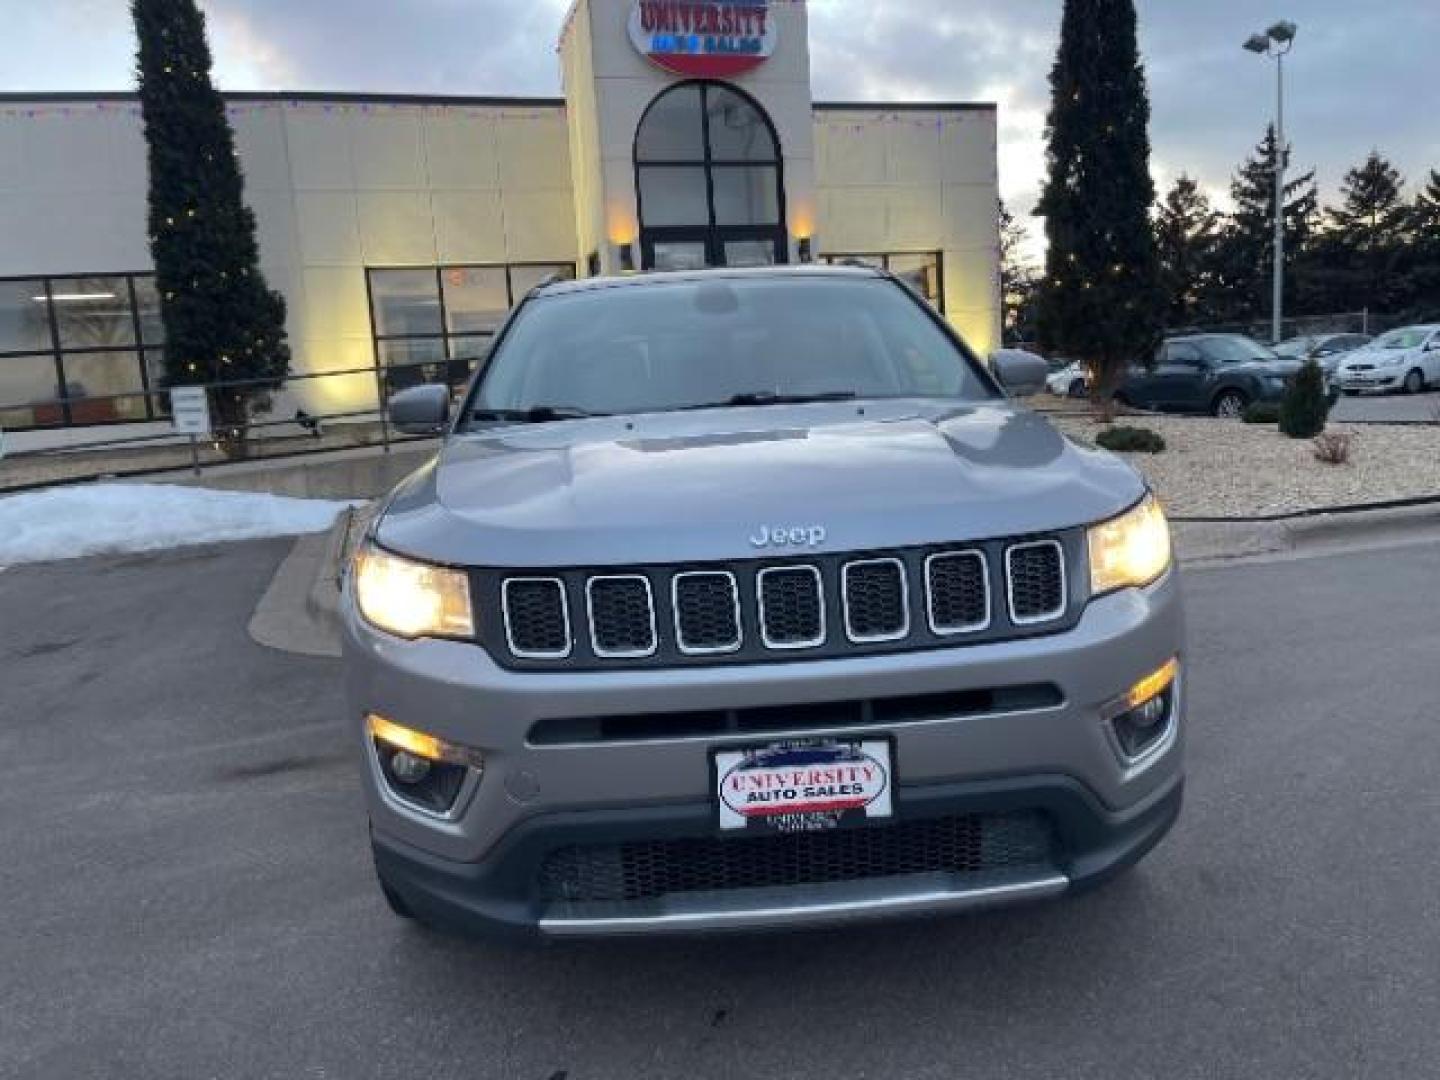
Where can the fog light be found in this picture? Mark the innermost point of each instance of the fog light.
(408, 768)
(1141, 717)
(421, 770)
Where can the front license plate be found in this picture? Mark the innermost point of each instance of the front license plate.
(803, 786)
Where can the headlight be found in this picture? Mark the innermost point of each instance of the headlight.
(412, 599)
(1130, 550)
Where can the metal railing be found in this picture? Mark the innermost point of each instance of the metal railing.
(127, 448)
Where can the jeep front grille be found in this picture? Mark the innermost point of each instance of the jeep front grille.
(824, 606)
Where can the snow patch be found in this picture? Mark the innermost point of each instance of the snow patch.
(108, 519)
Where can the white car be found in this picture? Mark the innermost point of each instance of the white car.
(1069, 381)
(1407, 359)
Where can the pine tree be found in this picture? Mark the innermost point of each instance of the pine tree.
(1369, 231)
(1017, 279)
(1246, 252)
(1423, 246)
(1101, 300)
(222, 323)
(1187, 229)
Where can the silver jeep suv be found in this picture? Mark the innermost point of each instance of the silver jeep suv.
(744, 599)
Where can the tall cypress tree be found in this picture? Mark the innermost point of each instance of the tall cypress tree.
(222, 323)
(1101, 300)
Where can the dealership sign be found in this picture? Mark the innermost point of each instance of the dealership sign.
(704, 38)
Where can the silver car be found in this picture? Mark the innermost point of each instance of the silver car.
(744, 599)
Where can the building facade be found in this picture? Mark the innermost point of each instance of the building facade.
(401, 229)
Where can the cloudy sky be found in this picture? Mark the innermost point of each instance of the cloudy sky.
(1362, 76)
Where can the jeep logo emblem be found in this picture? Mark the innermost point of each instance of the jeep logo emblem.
(789, 536)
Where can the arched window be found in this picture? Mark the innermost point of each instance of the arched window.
(708, 178)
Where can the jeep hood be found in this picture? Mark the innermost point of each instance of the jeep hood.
(696, 486)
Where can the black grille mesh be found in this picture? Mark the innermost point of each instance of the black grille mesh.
(875, 600)
(621, 616)
(790, 605)
(705, 608)
(648, 869)
(1036, 584)
(957, 591)
(536, 612)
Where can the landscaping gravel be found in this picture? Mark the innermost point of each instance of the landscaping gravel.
(1223, 468)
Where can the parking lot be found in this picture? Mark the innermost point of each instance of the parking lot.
(1389, 408)
(187, 890)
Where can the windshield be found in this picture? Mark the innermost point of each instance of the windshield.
(1299, 346)
(1401, 339)
(691, 343)
(1234, 349)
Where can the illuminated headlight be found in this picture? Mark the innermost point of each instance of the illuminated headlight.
(1130, 550)
(412, 599)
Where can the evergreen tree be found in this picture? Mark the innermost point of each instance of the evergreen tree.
(1369, 230)
(1017, 279)
(1423, 246)
(1246, 253)
(1187, 229)
(222, 323)
(1100, 301)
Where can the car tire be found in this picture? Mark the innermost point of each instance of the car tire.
(1414, 381)
(1229, 405)
(1351, 393)
(1076, 389)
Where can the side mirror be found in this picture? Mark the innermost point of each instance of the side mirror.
(1020, 374)
(421, 410)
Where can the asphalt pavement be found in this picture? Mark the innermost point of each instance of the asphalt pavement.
(186, 888)
(1389, 407)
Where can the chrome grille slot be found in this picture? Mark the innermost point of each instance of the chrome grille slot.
(1035, 578)
(707, 612)
(957, 586)
(792, 607)
(877, 601)
(537, 618)
(622, 615)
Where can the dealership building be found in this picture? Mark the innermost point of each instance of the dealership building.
(401, 229)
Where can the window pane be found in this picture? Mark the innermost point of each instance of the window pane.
(155, 367)
(673, 197)
(93, 312)
(24, 323)
(679, 255)
(921, 271)
(410, 363)
(28, 391)
(525, 278)
(746, 196)
(737, 131)
(147, 299)
(405, 302)
(91, 377)
(672, 130)
(749, 253)
(465, 355)
(475, 298)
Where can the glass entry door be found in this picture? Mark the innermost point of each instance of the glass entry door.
(695, 249)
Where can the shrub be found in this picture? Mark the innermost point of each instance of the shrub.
(1261, 412)
(1130, 440)
(1332, 448)
(1305, 407)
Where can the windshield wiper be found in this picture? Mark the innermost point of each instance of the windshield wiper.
(765, 397)
(538, 414)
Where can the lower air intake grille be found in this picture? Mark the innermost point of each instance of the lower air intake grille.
(649, 869)
(1036, 574)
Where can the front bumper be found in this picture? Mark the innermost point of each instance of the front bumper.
(481, 863)
(1378, 379)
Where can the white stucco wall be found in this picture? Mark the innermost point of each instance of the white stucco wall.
(903, 180)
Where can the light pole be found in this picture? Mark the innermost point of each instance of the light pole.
(1277, 42)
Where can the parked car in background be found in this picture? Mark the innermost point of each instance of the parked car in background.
(1219, 374)
(1407, 359)
(1068, 381)
(1325, 349)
